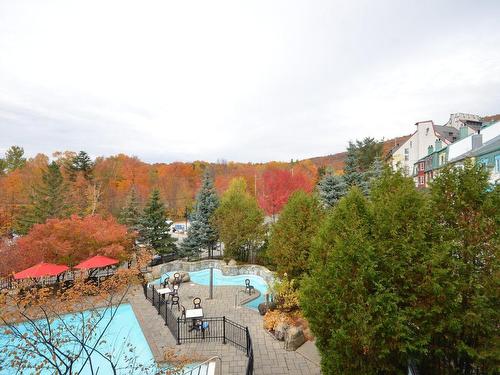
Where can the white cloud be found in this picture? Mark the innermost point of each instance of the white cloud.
(248, 81)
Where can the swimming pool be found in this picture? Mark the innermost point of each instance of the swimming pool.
(123, 332)
(203, 278)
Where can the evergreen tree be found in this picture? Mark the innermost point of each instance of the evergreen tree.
(14, 158)
(153, 227)
(291, 236)
(330, 189)
(82, 163)
(202, 233)
(48, 200)
(466, 267)
(3, 167)
(130, 214)
(239, 222)
(352, 174)
(367, 284)
(359, 160)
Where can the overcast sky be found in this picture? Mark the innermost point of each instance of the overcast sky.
(240, 80)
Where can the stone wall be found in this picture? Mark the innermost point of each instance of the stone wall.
(226, 269)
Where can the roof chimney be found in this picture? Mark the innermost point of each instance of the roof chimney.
(477, 141)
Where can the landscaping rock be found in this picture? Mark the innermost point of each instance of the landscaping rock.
(232, 262)
(294, 338)
(184, 277)
(262, 309)
(280, 331)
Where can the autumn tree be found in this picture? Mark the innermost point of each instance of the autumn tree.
(153, 227)
(74, 239)
(48, 199)
(239, 222)
(291, 235)
(202, 234)
(276, 187)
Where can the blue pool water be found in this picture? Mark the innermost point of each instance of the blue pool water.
(203, 278)
(124, 330)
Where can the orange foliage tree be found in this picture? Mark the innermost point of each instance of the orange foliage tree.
(277, 185)
(72, 240)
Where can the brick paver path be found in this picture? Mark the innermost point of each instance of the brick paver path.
(269, 356)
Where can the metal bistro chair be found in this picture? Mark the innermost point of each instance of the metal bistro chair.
(197, 303)
(183, 313)
(249, 288)
(177, 278)
(175, 291)
(175, 301)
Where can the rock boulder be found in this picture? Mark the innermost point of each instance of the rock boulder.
(262, 309)
(280, 331)
(294, 338)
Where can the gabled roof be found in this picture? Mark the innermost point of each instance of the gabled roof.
(449, 134)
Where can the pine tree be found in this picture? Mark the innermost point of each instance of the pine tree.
(330, 189)
(374, 173)
(14, 158)
(201, 233)
(153, 227)
(130, 214)
(82, 163)
(48, 200)
(352, 174)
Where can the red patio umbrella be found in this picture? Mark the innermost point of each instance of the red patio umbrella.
(40, 270)
(97, 261)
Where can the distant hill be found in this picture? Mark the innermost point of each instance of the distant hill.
(336, 161)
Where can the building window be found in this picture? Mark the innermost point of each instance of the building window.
(497, 164)
(422, 166)
(407, 154)
(411, 144)
(427, 131)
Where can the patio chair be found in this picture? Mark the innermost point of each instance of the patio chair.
(183, 313)
(175, 291)
(177, 278)
(175, 301)
(249, 288)
(197, 303)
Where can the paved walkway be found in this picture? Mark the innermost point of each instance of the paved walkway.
(269, 356)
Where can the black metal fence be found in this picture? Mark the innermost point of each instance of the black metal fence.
(201, 329)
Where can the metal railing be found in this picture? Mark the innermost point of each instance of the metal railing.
(201, 329)
(198, 369)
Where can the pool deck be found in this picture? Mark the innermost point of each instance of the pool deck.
(270, 358)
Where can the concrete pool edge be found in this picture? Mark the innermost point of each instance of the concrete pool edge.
(227, 270)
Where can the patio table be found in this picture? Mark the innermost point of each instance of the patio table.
(164, 291)
(194, 313)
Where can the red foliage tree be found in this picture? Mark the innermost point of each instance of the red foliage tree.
(277, 185)
(69, 241)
